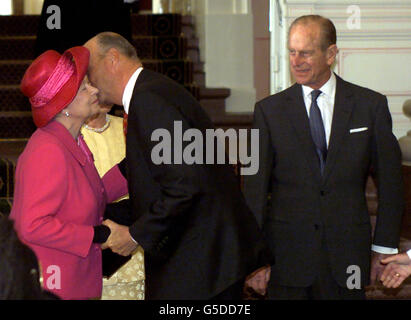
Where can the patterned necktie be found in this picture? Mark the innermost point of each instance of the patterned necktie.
(317, 129)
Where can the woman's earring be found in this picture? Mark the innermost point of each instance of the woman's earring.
(67, 114)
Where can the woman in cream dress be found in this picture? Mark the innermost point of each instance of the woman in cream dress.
(104, 136)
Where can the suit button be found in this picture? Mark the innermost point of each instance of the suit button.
(316, 227)
(322, 192)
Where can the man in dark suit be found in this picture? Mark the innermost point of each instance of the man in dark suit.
(199, 238)
(319, 139)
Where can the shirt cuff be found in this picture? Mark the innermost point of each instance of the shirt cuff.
(409, 254)
(384, 250)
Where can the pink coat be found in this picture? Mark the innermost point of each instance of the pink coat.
(58, 198)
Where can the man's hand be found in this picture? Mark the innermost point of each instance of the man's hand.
(397, 270)
(377, 267)
(258, 280)
(120, 240)
(104, 246)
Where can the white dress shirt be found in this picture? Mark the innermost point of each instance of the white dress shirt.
(325, 103)
(128, 90)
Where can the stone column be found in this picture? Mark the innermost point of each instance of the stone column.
(33, 6)
(172, 6)
(225, 32)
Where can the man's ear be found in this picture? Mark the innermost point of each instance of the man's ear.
(331, 54)
(112, 59)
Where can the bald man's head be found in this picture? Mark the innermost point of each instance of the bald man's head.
(106, 40)
(112, 62)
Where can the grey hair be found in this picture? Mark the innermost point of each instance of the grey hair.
(108, 40)
(328, 33)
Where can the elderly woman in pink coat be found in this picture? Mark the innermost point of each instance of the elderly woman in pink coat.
(59, 198)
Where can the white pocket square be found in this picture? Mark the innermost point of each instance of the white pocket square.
(358, 129)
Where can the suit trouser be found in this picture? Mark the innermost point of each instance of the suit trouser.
(324, 286)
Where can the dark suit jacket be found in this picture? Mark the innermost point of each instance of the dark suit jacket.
(304, 204)
(198, 235)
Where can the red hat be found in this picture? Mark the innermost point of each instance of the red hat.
(52, 80)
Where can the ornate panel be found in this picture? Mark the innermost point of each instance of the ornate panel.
(161, 47)
(156, 25)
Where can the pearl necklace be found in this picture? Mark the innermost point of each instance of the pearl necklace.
(99, 130)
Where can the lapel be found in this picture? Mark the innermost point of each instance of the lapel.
(63, 135)
(343, 106)
(297, 113)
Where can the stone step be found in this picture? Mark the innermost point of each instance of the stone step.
(199, 78)
(12, 148)
(5, 206)
(198, 66)
(214, 93)
(193, 51)
(7, 170)
(12, 99)
(142, 24)
(233, 120)
(213, 100)
(19, 25)
(16, 125)
(187, 27)
(148, 47)
(193, 42)
(17, 47)
(12, 71)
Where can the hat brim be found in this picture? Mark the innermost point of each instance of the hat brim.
(68, 91)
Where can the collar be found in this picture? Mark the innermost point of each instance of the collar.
(128, 90)
(328, 89)
(63, 135)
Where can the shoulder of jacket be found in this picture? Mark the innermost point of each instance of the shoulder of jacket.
(362, 92)
(44, 143)
(275, 99)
